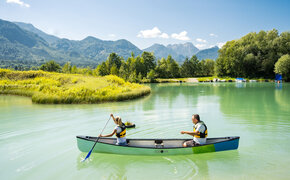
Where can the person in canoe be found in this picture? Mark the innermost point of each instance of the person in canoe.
(120, 131)
(199, 132)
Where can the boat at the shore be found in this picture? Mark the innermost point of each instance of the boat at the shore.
(240, 80)
(155, 146)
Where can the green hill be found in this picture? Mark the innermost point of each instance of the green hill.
(26, 46)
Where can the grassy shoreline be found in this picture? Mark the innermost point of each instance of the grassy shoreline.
(57, 88)
(206, 79)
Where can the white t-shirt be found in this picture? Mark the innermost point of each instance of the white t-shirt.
(200, 128)
(120, 140)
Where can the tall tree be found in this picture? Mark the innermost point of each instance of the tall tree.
(114, 59)
(149, 61)
(282, 66)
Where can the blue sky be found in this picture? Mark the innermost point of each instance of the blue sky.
(205, 23)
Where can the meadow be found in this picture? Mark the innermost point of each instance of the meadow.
(58, 88)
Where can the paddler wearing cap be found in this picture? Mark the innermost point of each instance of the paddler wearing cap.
(120, 131)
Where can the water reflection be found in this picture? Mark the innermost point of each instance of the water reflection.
(241, 84)
(256, 104)
(110, 166)
(278, 86)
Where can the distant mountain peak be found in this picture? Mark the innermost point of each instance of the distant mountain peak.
(91, 39)
(29, 27)
(24, 42)
(210, 53)
(177, 51)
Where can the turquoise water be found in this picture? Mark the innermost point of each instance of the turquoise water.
(38, 141)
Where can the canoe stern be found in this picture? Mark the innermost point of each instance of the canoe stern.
(227, 145)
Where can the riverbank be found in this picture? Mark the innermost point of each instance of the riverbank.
(57, 88)
(208, 79)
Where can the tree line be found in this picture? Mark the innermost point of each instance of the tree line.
(255, 55)
(140, 68)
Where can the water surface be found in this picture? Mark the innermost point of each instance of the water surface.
(38, 141)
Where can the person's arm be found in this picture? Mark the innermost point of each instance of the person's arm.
(190, 132)
(109, 135)
(113, 117)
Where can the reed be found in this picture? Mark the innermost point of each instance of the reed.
(57, 88)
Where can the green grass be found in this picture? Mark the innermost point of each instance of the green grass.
(205, 79)
(57, 88)
(168, 80)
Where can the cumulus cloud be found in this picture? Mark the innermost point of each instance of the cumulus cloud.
(220, 44)
(181, 36)
(152, 33)
(19, 2)
(201, 40)
(164, 35)
(200, 46)
(156, 33)
(213, 35)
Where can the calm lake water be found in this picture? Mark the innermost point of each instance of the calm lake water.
(38, 141)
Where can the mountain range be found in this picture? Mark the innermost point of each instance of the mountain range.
(180, 51)
(24, 44)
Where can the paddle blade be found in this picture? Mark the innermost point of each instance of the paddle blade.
(89, 154)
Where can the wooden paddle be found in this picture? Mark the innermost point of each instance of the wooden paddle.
(89, 154)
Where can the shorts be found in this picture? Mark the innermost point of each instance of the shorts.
(191, 143)
(122, 144)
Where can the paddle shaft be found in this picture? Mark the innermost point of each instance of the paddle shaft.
(96, 141)
(101, 133)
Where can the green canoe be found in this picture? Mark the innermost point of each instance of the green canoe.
(155, 146)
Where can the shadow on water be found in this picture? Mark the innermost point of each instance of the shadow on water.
(110, 166)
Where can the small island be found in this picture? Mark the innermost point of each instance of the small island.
(58, 88)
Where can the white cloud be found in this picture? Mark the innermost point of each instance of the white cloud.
(156, 33)
(112, 35)
(213, 35)
(152, 33)
(201, 40)
(164, 35)
(181, 36)
(19, 2)
(199, 46)
(220, 44)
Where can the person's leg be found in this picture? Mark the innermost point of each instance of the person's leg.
(189, 143)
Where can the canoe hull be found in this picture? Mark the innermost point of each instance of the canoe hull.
(85, 145)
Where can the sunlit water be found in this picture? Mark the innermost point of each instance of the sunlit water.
(38, 141)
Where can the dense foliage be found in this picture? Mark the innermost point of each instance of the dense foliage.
(140, 68)
(51, 66)
(254, 55)
(282, 66)
(45, 87)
